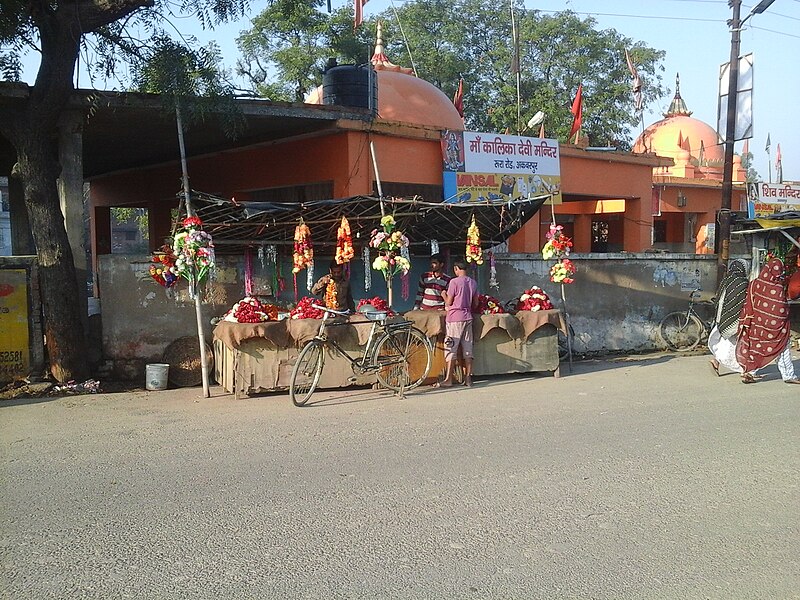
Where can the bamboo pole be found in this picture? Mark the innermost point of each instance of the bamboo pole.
(195, 287)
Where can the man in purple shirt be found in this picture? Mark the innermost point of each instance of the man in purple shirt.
(460, 299)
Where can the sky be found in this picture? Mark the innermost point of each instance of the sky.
(695, 36)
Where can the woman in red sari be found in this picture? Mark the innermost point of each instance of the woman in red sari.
(764, 334)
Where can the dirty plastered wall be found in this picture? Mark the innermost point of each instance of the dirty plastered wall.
(615, 304)
(617, 300)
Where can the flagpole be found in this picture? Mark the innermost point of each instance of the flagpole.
(515, 36)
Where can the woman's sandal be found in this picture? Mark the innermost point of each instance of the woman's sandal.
(748, 378)
(714, 365)
(791, 380)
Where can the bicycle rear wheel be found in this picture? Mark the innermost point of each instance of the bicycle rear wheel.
(306, 372)
(404, 357)
(681, 332)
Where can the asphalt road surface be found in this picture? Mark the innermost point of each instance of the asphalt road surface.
(637, 478)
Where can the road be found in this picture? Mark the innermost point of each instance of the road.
(633, 478)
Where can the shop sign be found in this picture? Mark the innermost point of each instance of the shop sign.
(765, 199)
(480, 167)
(14, 340)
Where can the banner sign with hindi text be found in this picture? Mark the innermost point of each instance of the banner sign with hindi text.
(764, 199)
(481, 167)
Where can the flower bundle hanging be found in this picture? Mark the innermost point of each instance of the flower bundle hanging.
(534, 299)
(389, 242)
(489, 305)
(344, 243)
(303, 255)
(558, 245)
(163, 271)
(562, 271)
(473, 250)
(194, 252)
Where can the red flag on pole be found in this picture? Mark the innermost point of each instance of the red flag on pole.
(458, 99)
(577, 112)
(359, 12)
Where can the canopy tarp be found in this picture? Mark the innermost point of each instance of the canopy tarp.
(237, 225)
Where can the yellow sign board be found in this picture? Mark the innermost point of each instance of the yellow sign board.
(14, 338)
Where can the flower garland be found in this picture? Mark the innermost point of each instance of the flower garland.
(303, 255)
(493, 283)
(250, 310)
(194, 252)
(562, 271)
(367, 271)
(164, 269)
(489, 305)
(344, 243)
(330, 295)
(534, 299)
(389, 241)
(473, 251)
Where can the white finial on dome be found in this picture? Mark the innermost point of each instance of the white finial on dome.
(677, 107)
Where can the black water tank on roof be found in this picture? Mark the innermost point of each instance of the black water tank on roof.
(351, 85)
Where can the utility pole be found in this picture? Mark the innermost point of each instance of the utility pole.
(724, 234)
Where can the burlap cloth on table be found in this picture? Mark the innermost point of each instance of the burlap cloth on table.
(525, 322)
(233, 334)
(532, 320)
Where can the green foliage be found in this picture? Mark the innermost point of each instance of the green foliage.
(451, 39)
(139, 216)
(189, 78)
(473, 39)
(285, 52)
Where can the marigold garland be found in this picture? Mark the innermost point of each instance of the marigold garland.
(330, 295)
(303, 255)
(344, 243)
(473, 250)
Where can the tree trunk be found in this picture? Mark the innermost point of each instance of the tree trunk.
(63, 327)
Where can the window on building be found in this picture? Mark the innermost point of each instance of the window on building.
(599, 236)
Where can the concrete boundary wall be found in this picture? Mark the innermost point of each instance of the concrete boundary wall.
(615, 303)
(617, 300)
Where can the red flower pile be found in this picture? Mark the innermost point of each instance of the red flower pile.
(304, 310)
(378, 303)
(489, 305)
(250, 310)
(534, 299)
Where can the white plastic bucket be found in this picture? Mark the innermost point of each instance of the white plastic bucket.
(156, 376)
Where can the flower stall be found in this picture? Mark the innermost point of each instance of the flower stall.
(256, 343)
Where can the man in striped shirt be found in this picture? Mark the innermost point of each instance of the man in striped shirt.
(431, 286)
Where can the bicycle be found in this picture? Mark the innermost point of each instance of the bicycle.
(399, 354)
(682, 331)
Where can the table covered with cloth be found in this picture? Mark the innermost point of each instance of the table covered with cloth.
(258, 357)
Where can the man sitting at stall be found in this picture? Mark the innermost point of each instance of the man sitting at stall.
(335, 289)
(431, 286)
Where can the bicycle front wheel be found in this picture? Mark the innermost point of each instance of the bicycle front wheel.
(404, 358)
(306, 372)
(681, 332)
